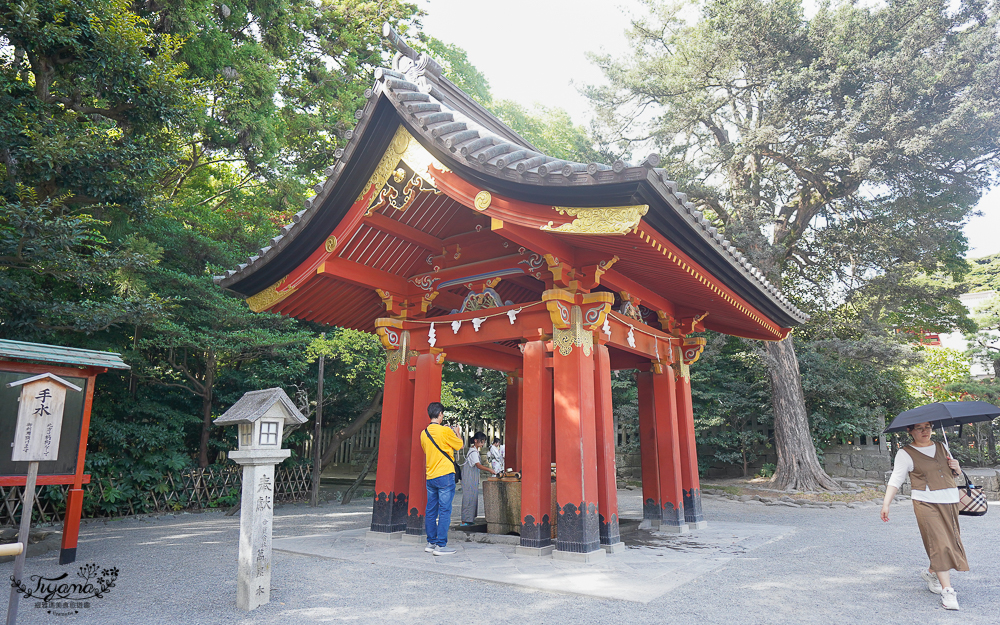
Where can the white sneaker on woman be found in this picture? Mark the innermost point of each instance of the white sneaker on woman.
(933, 584)
(949, 600)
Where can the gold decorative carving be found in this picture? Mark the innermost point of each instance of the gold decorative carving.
(387, 196)
(403, 147)
(391, 333)
(269, 296)
(387, 165)
(393, 359)
(692, 349)
(607, 220)
(410, 356)
(439, 355)
(595, 308)
(559, 302)
(331, 244)
(483, 200)
(565, 339)
(481, 301)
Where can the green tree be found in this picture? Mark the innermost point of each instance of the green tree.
(984, 345)
(984, 274)
(841, 152)
(929, 381)
(550, 130)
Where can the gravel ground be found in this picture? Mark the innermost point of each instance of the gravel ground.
(839, 565)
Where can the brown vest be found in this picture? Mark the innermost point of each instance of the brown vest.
(934, 472)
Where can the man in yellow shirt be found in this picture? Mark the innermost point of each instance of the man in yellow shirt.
(439, 443)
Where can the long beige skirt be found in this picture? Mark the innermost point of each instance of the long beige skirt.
(938, 523)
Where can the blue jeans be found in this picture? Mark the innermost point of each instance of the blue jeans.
(440, 493)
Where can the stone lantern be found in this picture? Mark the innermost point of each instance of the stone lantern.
(261, 417)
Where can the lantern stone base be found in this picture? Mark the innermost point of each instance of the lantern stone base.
(698, 525)
(614, 548)
(673, 529)
(383, 536)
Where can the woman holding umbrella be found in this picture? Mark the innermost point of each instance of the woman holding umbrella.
(932, 473)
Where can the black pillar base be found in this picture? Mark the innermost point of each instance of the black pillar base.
(692, 506)
(673, 516)
(389, 513)
(579, 528)
(415, 524)
(536, 534)
(651, 511)
(67, 556)
(610, 535)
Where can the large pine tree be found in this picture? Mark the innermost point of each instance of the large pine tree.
(841, 151)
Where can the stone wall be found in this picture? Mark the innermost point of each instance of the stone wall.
(861, 462)
(629, 466)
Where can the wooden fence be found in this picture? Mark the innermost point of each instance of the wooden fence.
(191, 489)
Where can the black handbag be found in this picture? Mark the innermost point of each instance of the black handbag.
(458, 469)
(971, 501)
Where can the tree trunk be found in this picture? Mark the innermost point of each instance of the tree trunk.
(206, 408)
(798, 467)
(349, 494)
(350, 430)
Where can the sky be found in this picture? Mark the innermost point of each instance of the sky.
(535, 52)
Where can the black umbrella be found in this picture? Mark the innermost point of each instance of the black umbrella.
(945, 413)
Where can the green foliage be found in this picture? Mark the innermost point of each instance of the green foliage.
(930, 380)
(731, 400)
(850, 391)
(457, 68)
(842, 153)
(984, 344)
(474, 394)
(551, 130)
(144, 147)
(984, 274)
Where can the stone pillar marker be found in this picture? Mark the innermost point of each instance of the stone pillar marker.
(261, 416)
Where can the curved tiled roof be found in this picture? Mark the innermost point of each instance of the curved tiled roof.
(450, 123)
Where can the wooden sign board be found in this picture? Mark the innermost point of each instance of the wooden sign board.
(39, 418)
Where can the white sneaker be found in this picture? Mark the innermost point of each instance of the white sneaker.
(933, 583)
(430, 549)
(949, 600)
(448, 551)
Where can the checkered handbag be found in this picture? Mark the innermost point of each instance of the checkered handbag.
(971, 500)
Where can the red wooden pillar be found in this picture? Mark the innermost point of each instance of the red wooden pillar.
(607, 482)
(576, 451)
(392, 479)
(427, 389)
(74, 497)
(535, 433)
(668, 451)
(651, 514)
(512, 420)
(689, 453)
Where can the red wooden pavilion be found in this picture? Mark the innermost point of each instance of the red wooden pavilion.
(453, 238)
